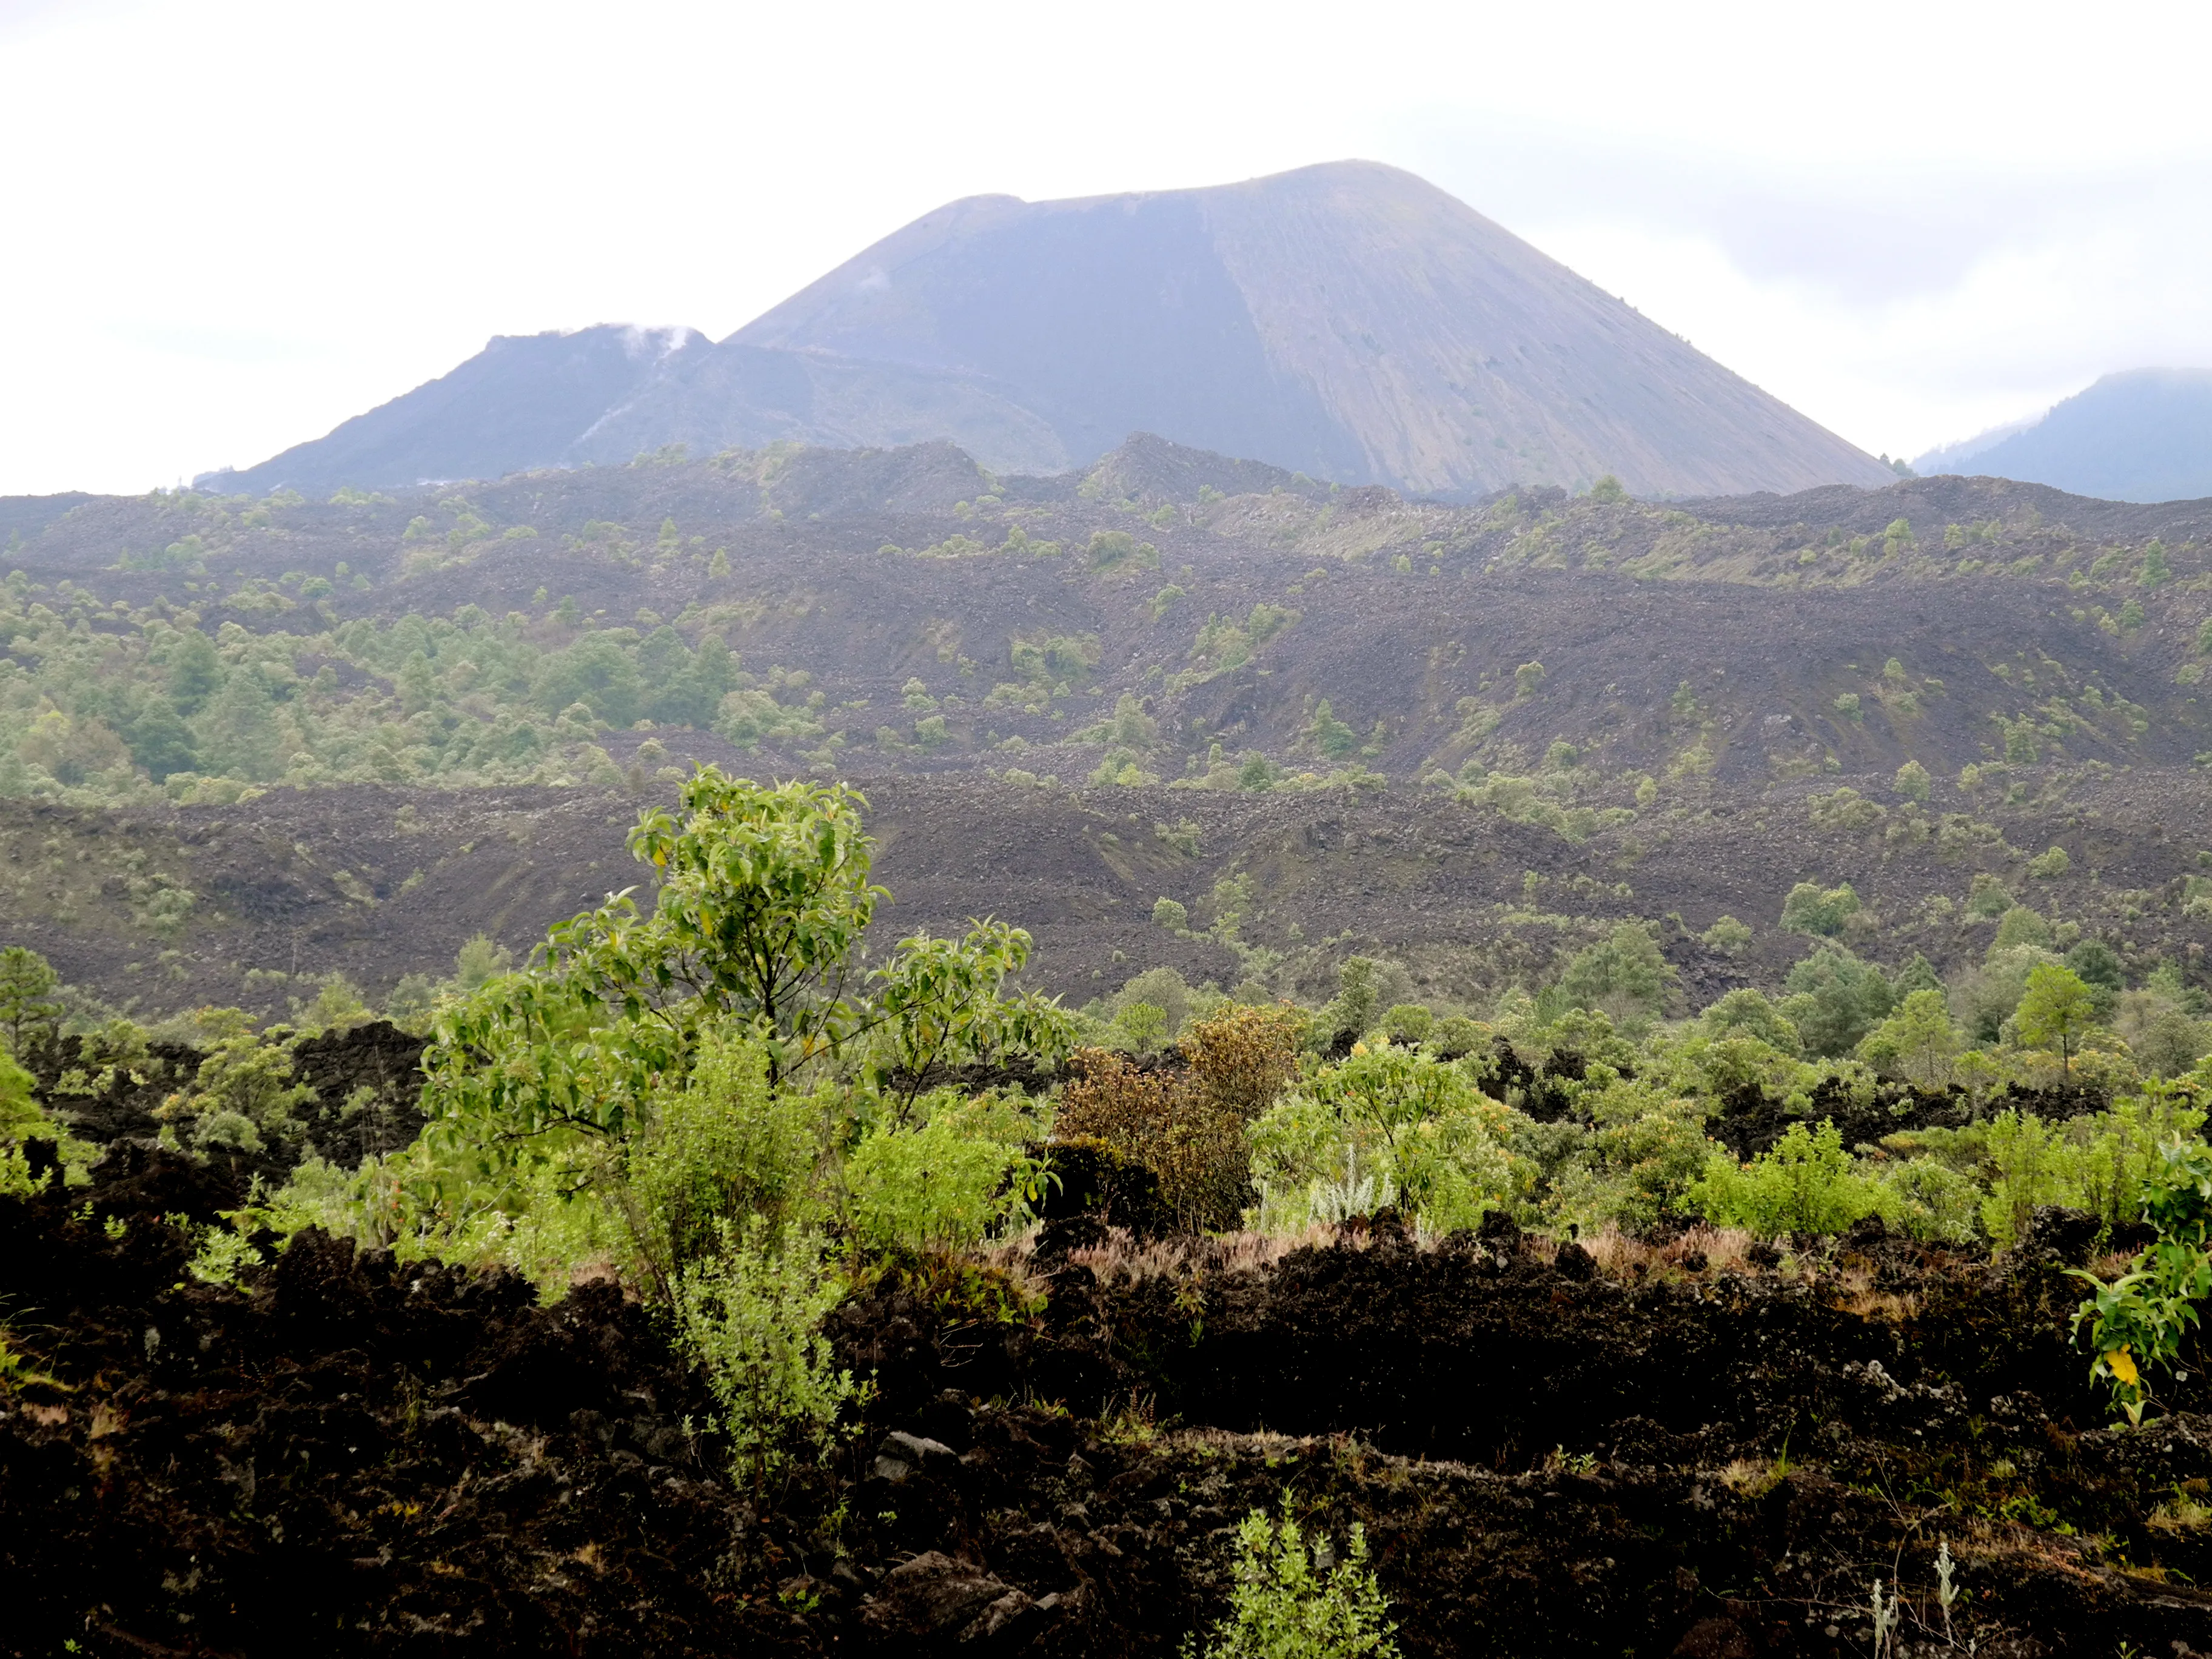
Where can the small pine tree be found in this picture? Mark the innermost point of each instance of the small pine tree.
(2055, 1010)
(29, 1011)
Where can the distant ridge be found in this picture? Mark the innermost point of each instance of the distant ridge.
(1349, 321)
(519, 403)
(2143, 435)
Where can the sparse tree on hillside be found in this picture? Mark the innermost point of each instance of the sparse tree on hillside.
(29, 1010)
(1623, 977)
(2055, 1010)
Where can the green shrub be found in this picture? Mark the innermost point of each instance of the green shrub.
(2103, 1163)
(1456, 1036)
(2049, 867)
(1811, 908)
(1387, 1124)
(1290, 1602)
(943, 1185)
(2140, 1319)
(1171, 915)
(1728, 936)
(750, 1316)
(1986, 898)
(1744, 1011)
(718, 1147)
(1930, 1200)
(242, 1097)
(1640, 1161)
(1912, 782)
(1408, 1022)
(1804, 1183)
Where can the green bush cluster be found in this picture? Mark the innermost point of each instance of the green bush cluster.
(100, 704)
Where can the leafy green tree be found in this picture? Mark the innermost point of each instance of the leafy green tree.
(2097, 965)
(1912, 782)
(1917, 1041)
(594, 670)
(238, 734)
(1917, 974)
(242, 1096)
(1624, 975)
(1811, 908)
(1142, 1025)
(943, 1002)
(196, 671)
(1835, 998)
(30, 1012)
(1328, 735)
(479, 959)
(2020, 925)
(2055, 1010)
(1358, 1000)
(1746, 1012)
(764, 896)
(764, 892)
(1408, 1022)
(161, 743)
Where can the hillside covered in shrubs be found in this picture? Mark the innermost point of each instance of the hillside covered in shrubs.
(717, 1276)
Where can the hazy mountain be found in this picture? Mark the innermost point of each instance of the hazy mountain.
(2145, 435)
(1350, 321)
(519, 403)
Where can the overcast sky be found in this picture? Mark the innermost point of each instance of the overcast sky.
(229, 225)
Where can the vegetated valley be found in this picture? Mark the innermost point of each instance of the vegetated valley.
(822, 1050)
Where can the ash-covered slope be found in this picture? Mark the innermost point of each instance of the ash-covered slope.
(519, 403)
(2145, 435)
(1349, 321)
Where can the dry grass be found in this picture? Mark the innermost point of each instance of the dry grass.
(1701, 1251)
(1752, 1477)
(1854, 1293)
(2110, 1265)
(2179, 1514)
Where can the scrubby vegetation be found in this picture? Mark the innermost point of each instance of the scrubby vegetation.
(1509, 1117)
(727, 1104)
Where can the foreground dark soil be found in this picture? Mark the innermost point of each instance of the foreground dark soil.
(1675, 1456)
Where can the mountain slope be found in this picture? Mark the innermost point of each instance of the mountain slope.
(1348, 320)
(2145, 435)
(519, 403)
